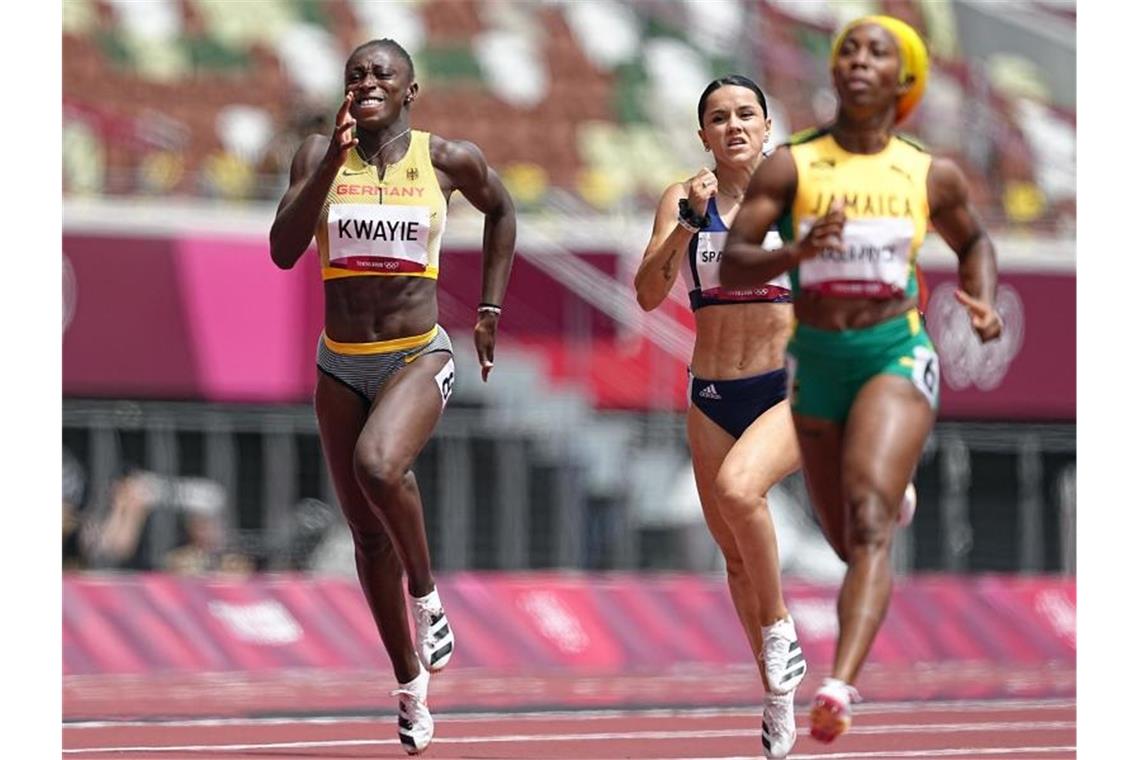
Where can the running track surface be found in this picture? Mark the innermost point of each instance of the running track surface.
(1015, 729)
(944, 711)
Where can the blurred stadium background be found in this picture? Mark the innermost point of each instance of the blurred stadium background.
(190, 446)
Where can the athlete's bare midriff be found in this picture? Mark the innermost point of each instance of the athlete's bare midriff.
(740, 340)
(367, 309)
(830, 313)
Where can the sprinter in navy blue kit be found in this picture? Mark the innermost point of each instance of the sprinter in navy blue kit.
(739, 425)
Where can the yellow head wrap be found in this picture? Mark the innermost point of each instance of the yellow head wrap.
(913, 59)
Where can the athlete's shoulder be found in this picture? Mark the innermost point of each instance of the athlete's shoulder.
(457, 158)
(446, 149)
(805, 136)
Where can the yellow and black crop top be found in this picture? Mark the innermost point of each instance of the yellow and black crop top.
(383, 227)
(884, 196)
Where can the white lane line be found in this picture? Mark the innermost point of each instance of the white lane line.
(476, 717)
(904, 753)
(906, 728)
(900, 753)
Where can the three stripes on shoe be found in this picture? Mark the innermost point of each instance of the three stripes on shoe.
(440, 631)
(796, 665)
(405, 729)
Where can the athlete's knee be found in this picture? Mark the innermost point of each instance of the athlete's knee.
(740, 496)
(869, 525)
(376, 471)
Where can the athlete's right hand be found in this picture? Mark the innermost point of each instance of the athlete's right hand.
(699, 189)
(825, 233)
(486, 327)
(342, 140)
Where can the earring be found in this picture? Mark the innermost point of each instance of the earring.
(706, 147)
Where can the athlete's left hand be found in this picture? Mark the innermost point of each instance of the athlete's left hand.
(485, 329)
(983, 316)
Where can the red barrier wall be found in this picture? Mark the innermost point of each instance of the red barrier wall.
(539, 622)
(211, 318)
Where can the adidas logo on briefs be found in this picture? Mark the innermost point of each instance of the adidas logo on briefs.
(709, 391)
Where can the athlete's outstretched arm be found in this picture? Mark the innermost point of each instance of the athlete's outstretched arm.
(957, 222)
(464, 163)
(770, 192)
(311, 175)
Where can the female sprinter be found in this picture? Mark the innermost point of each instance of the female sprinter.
(375, 195)
(864, 374)
(739, 426)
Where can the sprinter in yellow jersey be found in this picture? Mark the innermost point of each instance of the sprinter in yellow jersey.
(375, 196)
(854, 200)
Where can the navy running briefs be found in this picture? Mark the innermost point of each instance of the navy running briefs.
(736, 404)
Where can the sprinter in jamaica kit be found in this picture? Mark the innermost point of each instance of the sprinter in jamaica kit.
(854, 200)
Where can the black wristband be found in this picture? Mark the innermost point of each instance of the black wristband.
(686, 212)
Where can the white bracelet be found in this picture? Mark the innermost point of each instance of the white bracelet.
(685, 225)
(496, 310)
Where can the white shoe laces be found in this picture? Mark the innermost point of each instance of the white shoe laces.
(779, 707)
(776, 648)
(414, 696)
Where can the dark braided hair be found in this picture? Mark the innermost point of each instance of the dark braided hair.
(734, 79)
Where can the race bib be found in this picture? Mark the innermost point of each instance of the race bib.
(386, 238)
(710, 250)
(873, 263)
(925, 374)
(445, 380)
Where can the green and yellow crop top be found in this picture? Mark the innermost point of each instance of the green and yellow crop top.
(383, 227)
(884, 195)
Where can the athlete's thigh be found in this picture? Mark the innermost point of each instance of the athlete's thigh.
(407, 408)
(821, 450)
(886, 430)
(341, 415)
(766, 453)
(708, 444)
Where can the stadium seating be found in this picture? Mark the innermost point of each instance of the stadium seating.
(209, 98)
